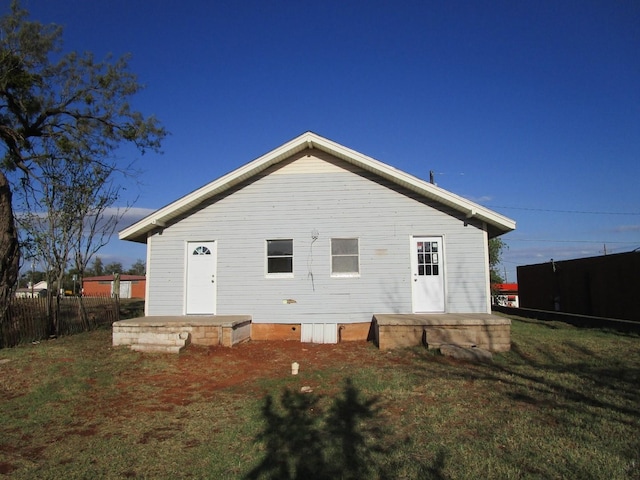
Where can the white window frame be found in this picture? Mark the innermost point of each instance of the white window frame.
(266, 259)
(331, 257)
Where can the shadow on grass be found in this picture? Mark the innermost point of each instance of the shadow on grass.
(564, 374)
(348, 440)
(600, 382)
(572, 386)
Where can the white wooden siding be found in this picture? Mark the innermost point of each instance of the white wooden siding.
(308, 195)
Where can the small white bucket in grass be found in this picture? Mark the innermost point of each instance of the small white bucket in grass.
(294, 368)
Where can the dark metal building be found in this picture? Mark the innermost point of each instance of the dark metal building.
(605, 286)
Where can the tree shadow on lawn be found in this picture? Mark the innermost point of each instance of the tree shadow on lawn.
(564, 374)
(348, 441)
(568, 382)
(599, 382)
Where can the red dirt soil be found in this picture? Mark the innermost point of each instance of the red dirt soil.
(162, 382)
(204, 370)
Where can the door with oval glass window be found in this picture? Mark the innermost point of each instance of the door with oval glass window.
(427, 274)
(201, 278)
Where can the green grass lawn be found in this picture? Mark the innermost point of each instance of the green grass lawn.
(564, 403)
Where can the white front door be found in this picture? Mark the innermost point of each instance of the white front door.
(427, 274)
(201, 278)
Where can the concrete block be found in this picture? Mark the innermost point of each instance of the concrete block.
(227, 339)
(437, 336)
(157, 348)
(399, 336)
(122, 339)
(132, 329)
(241, 333)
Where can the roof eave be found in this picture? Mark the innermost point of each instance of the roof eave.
(429, 190)
(139, 231)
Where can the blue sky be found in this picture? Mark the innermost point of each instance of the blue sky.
(529, 108)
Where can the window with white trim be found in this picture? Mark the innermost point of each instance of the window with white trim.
(280, 258)
(345, 257)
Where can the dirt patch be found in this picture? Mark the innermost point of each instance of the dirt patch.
(157, 387)
(6, 468)
(202, 371)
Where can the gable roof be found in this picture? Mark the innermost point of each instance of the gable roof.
(498, 224)
(42, 285)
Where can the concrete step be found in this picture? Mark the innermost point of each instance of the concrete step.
(161, 342)
(151, 348)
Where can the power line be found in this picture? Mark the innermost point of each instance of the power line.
(582, 212)
(563, 241)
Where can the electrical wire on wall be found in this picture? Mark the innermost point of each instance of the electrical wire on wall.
(314, 237)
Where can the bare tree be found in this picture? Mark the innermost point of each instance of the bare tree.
(62, 118)
(97, 216)
(65, 216)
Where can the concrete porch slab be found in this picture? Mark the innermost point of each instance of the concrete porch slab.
(209, 330)
(483, 330)
(186, 320)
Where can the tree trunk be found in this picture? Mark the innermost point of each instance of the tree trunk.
(9, 247)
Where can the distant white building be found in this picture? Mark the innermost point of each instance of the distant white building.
(32, 291)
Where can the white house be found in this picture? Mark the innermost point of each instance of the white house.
(314, 237)
(32, 291)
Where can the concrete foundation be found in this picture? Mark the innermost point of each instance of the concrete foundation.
(173, 334)
(347, 332)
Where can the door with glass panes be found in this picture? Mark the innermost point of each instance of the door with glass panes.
(427, 274)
